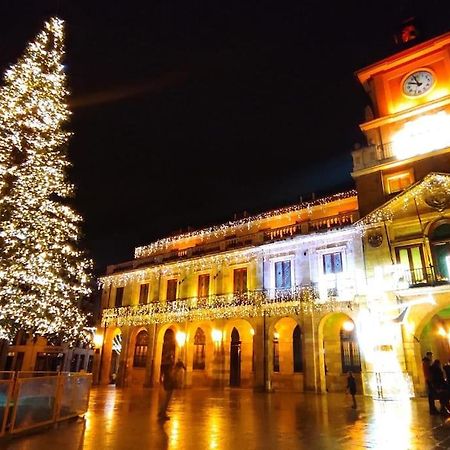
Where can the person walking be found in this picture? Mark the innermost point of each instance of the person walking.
(440, 386)
(351, 388)
(168, 383)
(426, 368)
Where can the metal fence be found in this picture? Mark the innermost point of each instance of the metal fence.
(33, 399)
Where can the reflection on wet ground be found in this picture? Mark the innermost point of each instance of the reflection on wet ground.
(125, 419)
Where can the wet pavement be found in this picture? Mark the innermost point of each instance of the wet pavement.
(126, 419)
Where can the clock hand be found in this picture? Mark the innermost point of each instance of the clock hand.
(417, 82)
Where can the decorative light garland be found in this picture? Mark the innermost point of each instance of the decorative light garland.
(434, 183)
(223, 259)
(224, 229)
(303, 299)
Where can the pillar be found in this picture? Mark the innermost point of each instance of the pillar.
(149, 377)
(124, 358)
(313, 356)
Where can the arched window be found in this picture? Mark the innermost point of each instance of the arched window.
(199, 350)
(140, 350)
(297, 349)
(351, 361)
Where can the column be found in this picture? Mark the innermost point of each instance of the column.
(124, 363)
(313, 370)
(149, 377)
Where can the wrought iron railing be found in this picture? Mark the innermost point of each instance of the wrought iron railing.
(297, 300)
(424, 276)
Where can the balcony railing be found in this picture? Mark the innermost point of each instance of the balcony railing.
(300, 299)
(371, 155)
(423, 276)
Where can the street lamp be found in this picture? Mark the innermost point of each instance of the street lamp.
(216, 336)
(348, 325)
(180, 338)
(98, 340)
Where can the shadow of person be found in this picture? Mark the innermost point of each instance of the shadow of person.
(163, 437)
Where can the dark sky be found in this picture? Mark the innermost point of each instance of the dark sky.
(188, 111)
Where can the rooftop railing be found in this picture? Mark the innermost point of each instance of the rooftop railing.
(240, 242)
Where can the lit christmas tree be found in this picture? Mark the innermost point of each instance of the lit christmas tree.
(43, 273)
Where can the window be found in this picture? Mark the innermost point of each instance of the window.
(203, 285)
(440, 249)
(297, 349)
(396, 182)
(143, 294)
(332, 263)
(412, 258)
(119, 297)
(240, 280)
(171, 290)
(199, 350)
(351, 361)
(283, 275)
(140, 349)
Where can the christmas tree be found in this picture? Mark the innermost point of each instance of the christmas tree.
(43, 273)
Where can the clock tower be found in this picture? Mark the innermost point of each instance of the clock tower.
(408, 124)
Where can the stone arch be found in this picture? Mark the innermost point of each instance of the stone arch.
(283, 330)
(110, 355)
(161, 333)
(281, 354)
(432, 322)
(195, 375)
(246, 332)
(332, 376)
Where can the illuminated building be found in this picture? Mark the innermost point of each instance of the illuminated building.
(297, 297)
(251, 303)
(403, 189)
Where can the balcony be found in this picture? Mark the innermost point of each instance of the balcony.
(423, 276)
(372, 155)
(298, 300)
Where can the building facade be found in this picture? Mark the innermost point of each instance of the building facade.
(297, 297)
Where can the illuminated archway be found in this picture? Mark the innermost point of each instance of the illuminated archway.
(340, 351)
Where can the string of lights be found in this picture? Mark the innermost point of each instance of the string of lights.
(43, 275)
(224, 259)
(304, 299)
(433, 190)
(236, 225)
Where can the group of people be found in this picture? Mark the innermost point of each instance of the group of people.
(437, 379)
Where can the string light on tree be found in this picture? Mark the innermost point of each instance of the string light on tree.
(44, 274)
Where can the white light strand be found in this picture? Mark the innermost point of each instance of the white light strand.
(227, 228)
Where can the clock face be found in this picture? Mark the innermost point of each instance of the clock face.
(418, 83)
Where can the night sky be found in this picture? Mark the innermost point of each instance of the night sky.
(187, 112)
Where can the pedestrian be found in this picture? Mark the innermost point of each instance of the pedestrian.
(446, 368)
(351, 388)
(179, 374)
(426, 368)
(440, 386)
(168, 382)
